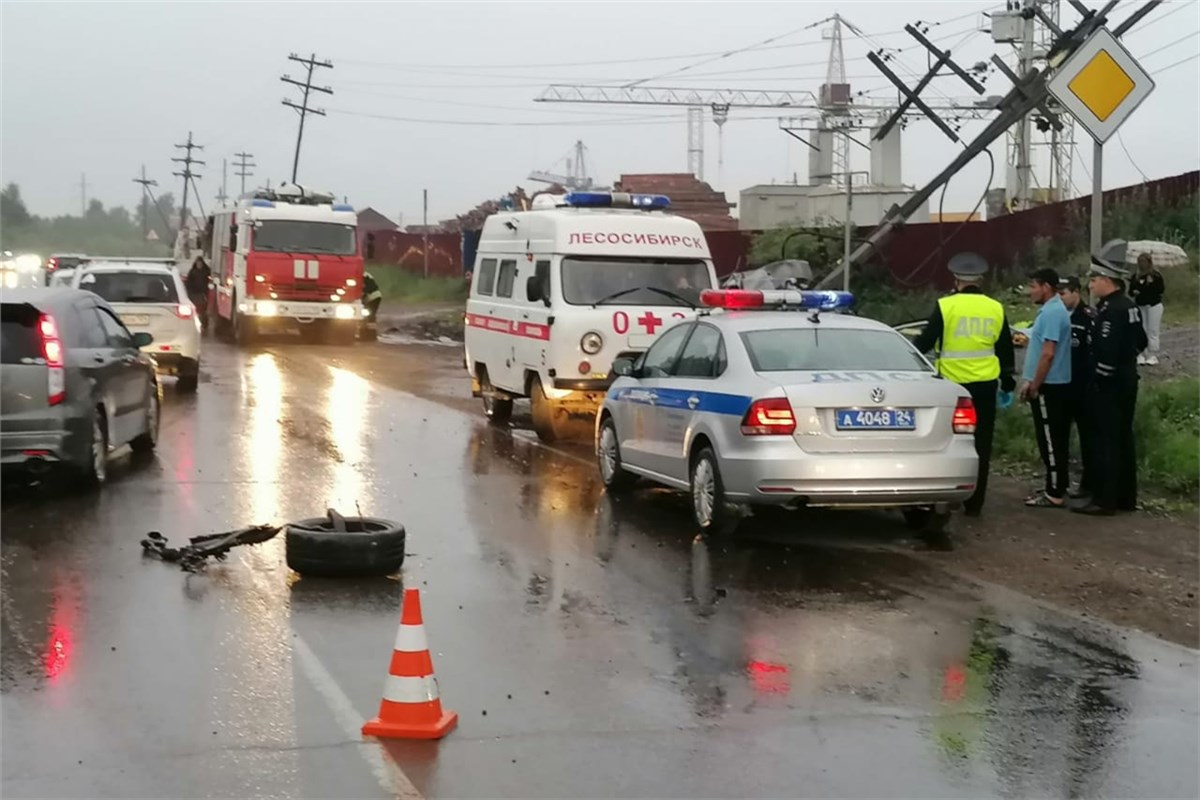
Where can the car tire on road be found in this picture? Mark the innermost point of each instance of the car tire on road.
(710, 509)
(608, 455)
(542, 412)
(498, 410)
(932, 525)
(189, 377)
(95, 471)
(368, 547)
(146, 442)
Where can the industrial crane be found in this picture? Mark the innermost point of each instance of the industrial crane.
(576, 177)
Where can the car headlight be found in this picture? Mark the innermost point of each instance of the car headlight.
(266, 308)
(344, 312)
(591, 343)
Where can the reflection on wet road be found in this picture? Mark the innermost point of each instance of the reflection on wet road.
(591, 646)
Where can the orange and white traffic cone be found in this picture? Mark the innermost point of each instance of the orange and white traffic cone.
(411, 708)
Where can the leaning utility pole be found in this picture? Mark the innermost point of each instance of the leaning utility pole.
(244, 165)
(307, 87)
(146, 184)
(187, 174)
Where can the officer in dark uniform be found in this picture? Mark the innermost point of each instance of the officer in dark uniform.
(975, 350)
(1082, 322)
(1117, 341)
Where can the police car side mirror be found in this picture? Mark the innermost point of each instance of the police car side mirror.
(623, 367)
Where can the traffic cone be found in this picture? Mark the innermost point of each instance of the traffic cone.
(411, 708)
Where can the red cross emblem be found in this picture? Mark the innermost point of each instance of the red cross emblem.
(650, 322)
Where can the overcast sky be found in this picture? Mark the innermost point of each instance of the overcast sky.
(102, 88)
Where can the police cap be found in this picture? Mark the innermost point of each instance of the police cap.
(968, 266)
(1110, 260)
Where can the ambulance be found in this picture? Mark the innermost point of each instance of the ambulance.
(285, 258)
(561, 290)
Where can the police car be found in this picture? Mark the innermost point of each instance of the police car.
(561, 290)
(767, 400)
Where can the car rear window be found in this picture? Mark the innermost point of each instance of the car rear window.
(19, 338)
(131, 287)
(802, 349)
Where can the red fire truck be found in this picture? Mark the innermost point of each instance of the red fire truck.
(286, 258)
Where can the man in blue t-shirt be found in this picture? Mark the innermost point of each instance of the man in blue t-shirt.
(1046, 385)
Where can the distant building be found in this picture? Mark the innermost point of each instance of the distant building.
(955, 216)
(768, 206)
(690, 197)
(371, 221)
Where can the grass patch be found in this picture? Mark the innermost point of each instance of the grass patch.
(1167, 430)
(401, 286)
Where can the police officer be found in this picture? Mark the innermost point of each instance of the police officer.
(976, 351)
(1082, 320)
(372, 297)
(1112, 389)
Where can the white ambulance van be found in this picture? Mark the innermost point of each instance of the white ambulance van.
(562, 289)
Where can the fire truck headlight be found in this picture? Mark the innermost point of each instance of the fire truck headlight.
(351, 282)
(267, 309)
(10, 279)
(344, 312)
(260, 278)
(591, 343)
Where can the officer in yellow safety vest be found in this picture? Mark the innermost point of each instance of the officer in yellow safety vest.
(975, 350)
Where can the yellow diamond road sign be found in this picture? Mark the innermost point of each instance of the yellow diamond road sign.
(1100, 85)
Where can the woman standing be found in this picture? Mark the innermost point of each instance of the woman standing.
(1147, 291)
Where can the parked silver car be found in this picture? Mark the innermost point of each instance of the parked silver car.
(788, 407)
(75, 385)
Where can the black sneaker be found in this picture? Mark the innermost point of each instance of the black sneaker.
(1093, 510)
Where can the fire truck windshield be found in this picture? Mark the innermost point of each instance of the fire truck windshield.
(291, 236)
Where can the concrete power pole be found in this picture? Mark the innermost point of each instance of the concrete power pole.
(306, 88)
(1022, 145)
(145, 184)
(425, 228)
(244, 168)
(221, 196)
(82, 195)
(187, 174)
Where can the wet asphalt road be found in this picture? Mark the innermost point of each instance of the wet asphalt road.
(591, 647)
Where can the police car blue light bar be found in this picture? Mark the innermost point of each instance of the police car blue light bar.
(749, 298)
(648, 202)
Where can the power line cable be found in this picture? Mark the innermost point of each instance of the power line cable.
(1180, 40)
(1121, 141)
(1161, 70)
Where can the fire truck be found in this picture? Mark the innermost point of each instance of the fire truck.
(285, 258)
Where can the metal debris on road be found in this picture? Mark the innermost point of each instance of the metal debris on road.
(193, 556)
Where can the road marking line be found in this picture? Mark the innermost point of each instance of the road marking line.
(391, 778)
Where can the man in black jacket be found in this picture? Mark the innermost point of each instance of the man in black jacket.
(1112, 391)
(1082, 322)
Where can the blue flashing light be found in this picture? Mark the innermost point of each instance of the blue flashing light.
(647, 202)
(342, 207)
(258, 202)
(826, 300)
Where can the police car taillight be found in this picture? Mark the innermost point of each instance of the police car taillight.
(649, 202)
(965, 417)
(776, 299)
(769, 417)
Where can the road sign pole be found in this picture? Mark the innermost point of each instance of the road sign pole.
(1097, 195)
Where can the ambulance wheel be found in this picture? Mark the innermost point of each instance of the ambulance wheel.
(498, 410)
(543, 413)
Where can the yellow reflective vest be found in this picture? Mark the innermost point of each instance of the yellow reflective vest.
(971, 326)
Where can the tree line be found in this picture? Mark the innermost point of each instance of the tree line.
(147, 230)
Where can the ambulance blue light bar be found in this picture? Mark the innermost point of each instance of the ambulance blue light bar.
(789, 298)
(258, 202)
(342, 207)
(648, 202)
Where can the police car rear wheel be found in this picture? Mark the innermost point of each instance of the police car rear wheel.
(498, 410)
(709, 508)
(608, 454)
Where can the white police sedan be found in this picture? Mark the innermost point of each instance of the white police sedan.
(765, 399)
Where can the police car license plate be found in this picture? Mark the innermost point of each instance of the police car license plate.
(876, 419)
(135, 320)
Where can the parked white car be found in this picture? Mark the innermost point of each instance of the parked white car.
(150, 297)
